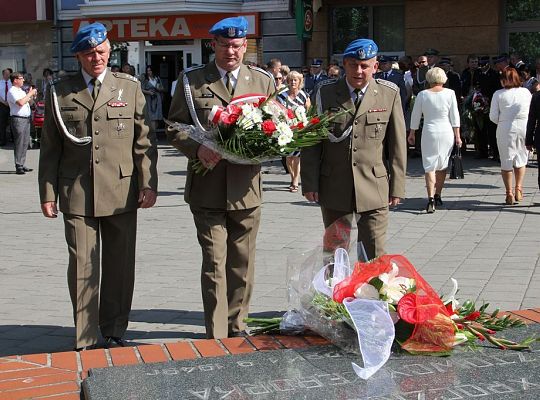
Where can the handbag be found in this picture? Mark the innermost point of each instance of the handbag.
(456, 164)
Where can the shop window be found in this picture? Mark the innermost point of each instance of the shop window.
(384, 24)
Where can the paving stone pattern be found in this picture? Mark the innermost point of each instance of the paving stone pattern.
(490, 248)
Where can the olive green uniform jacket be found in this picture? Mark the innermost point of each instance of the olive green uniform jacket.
(353, 175)
(228, 186)
(104, 177)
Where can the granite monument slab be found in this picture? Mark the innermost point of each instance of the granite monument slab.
(325, 372)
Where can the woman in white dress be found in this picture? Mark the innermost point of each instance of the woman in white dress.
(440, 132)
(510, 110)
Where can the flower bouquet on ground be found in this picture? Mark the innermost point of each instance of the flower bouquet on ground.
(382, 304)
(255, 128)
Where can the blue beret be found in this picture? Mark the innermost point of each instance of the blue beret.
(361, 49)
(88, 37)
(233, 27)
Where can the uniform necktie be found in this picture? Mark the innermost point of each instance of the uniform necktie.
(359, 96)
(95, 91)
(228, 82)
(386, 75)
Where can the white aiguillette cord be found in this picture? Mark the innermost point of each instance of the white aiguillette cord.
(82, 141)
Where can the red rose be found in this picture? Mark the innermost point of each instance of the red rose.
(290, 113)
(299, 125)
(268, 127)
(228, 119)
(234, 109)
(314, 120)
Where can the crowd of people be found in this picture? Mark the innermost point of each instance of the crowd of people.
(98, 156)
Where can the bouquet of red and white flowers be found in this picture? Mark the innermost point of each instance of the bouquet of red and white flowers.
(255, 128)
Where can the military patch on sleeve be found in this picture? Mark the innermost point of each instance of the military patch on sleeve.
(193, 68)
(391, 85)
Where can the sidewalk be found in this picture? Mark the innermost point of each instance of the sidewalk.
(492, 250)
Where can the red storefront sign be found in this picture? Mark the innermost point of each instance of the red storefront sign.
(171, 27)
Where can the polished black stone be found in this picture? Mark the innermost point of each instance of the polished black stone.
(326, 373)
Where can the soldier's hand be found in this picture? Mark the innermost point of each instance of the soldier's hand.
(209, 158)
(312, 196)
(394, 201)
(49, 209)
(147, 198)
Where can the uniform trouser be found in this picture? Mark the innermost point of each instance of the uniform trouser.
(20, 129)
(371, 226)
(227, 240)
(104, 309)
(4, 121)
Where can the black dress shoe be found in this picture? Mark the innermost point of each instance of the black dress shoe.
(438, 200)
(238, 334)
(26, 169)
(113, 341)
(20, 171)
(84, 348)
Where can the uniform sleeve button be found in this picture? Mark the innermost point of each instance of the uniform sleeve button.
(96, 133)
(356, 136)
(96, 147)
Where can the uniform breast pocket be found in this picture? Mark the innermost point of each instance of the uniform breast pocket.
(120, 123)
(376, 124)
(73, 120)
(339, 124)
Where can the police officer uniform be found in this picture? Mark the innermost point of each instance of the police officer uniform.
(96, 156)
(225, 202)
(349, 172)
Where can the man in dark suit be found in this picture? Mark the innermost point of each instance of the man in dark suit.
(532, 138)
(316, 75)
(392, 75)
(97, 157)
(348, 174)
(467, 75)
(487, 80)
(454, 81)
(225, 202)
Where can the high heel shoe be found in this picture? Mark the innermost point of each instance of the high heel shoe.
(438, 200)
(430, 207)
(519, 193)
(509, 198)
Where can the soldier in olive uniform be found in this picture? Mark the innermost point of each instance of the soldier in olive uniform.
(226, 201)
(97, 157)
(348, 174)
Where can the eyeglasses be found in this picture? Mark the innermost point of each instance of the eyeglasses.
(279, 78)
(234, 47)
(20, 77)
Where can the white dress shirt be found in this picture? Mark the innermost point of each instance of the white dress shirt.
(223, 74)
(14, 95)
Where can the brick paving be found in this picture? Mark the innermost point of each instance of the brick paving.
(492, 250)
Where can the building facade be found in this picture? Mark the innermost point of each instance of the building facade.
(26, 35)
(454, 27)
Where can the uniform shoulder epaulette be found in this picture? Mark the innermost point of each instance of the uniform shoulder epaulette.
(391, 85)
(123, 75)
(193, 68)
(262, 71)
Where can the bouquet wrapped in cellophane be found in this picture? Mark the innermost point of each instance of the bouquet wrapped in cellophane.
(375, 305)
(255, 128)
